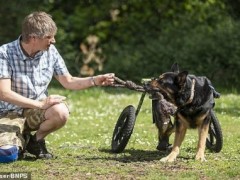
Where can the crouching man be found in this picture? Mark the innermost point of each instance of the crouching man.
(27, 66)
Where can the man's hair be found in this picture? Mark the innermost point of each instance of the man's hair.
(38, 24)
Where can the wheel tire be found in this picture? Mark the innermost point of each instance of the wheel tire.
(215, 138)
(123, 129)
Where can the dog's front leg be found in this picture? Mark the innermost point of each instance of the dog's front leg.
(179, 136)
(202, 135)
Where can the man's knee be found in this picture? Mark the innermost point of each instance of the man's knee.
(58, 112)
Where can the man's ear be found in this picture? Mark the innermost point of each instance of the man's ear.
(182, 77)
(175, 68)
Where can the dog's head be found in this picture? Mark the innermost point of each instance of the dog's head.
(170, 83)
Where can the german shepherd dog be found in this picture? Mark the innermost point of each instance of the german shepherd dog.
(194, 98)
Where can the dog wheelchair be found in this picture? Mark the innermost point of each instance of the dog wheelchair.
(161, 112)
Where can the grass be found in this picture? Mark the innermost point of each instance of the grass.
(83, 147)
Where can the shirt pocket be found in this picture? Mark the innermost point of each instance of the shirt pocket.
(22, 85)
(46, 75)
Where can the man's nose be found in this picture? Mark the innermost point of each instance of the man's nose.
(53, 41)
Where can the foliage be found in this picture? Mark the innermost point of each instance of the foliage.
(82, 147)
(12, 14)
(140, 38)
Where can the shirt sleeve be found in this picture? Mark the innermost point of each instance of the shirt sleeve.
(60, 67)
(5, 69)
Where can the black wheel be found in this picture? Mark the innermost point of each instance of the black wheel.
(215, 138)
(123, 129)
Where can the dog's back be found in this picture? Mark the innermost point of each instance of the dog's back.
(202, 95)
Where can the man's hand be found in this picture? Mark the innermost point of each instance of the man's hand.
(104, 80)
(52, 100)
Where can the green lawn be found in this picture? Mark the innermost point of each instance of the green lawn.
(82, 147)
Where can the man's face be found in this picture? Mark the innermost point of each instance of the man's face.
(45, 42)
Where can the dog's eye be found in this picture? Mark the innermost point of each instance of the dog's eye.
(160, 81)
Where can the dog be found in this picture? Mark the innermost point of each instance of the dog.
(194, 98)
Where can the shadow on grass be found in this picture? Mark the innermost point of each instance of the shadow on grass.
(133, 155)
(27, 157)
(129, 156)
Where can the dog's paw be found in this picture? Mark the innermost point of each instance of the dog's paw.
(200, 158)
(169, 158)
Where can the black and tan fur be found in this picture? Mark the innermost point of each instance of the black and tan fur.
(194, 98)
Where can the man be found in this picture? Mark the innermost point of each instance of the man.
(27, 66)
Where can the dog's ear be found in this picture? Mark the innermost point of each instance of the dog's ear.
(175, 68)
(182, 77)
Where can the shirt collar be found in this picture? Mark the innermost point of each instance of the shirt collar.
(22, 55)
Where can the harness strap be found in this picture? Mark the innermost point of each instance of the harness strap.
(192, 92)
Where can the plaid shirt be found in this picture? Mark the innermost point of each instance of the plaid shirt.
(30, 77)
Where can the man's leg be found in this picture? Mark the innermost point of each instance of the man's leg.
(44, 122)
(56, 117)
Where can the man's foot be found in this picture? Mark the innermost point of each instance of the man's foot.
(164, 146)
(21, 154)
(38, 148)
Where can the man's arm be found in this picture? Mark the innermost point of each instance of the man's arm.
(6, 94)
(77, 83)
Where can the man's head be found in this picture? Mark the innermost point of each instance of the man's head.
(38, 25)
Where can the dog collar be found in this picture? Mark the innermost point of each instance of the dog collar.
(192, 92)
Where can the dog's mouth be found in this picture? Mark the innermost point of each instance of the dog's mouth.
(155, 85)
(166, 94)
